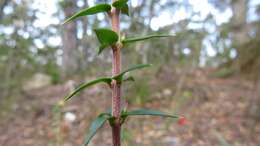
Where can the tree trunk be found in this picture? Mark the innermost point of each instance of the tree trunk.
(84, 42)
(239, 30)
(69, 57)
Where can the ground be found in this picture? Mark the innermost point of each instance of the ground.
(216, 110)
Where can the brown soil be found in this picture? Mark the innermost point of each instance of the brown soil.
(216, 111)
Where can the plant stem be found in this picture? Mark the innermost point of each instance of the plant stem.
(116, 87)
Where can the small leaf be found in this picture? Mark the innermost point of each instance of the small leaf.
(112, 121)
(95, 125)
(106, 38)
(85, 85)
(122, 5)
(125, 10)
(139, 66)
(101, 48)
(147, 112)
(131, 40)
(90, 11)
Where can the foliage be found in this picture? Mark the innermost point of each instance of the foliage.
(20, 57)
(96, 124)
(21, 20)
(109, 38)
(106, 37)
(195, 36)
(90, 11)
(131, 40)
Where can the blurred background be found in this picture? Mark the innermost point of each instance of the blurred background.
(208, 72)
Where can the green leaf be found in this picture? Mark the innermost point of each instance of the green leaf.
(122, 5)
(85, 85)
(147, 112)
(101, 48)
(95, 125)
(139, 66)
(106, 38)
(90, 11)
(125, 10)
(131, 40)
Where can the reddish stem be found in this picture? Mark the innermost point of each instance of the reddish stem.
(116, 88)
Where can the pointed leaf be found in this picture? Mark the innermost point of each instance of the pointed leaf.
(101, 48)
(147, 112)
(131, 40)
(95, 126)
(122, 5)
(139, 66)
(125, 10)
(106, 38)
(85, 85)
(90, 11)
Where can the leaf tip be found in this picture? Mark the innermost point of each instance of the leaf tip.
(95, 29)
(99, 51)
(148, 65)
(61, 103)
(63, 23)
(66, 21)
(66, 98)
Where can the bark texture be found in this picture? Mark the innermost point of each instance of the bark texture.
(69, 57)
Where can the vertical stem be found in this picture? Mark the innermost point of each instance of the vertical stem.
(116, 87)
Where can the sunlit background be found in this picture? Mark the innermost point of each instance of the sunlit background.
(208, 72)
